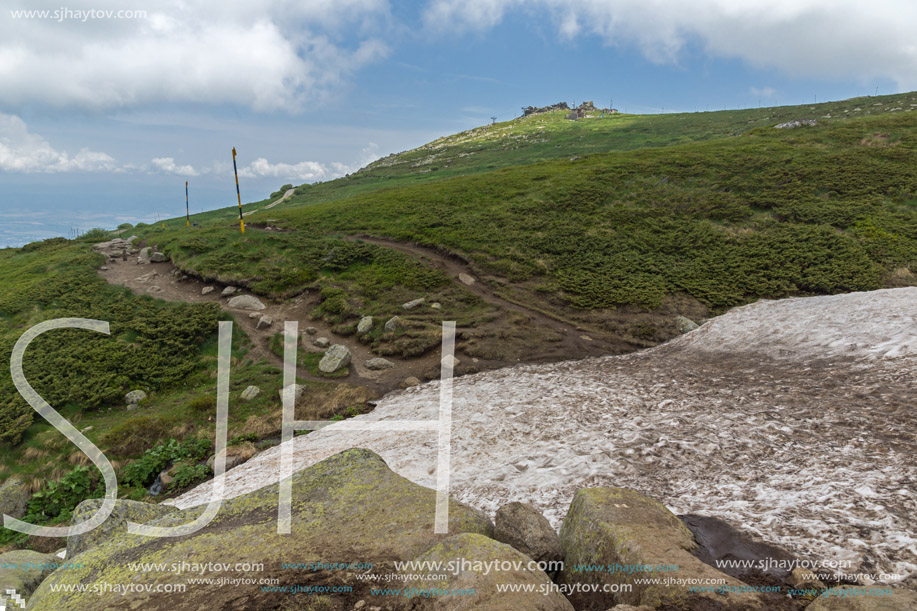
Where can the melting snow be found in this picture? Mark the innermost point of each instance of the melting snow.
(793, 419)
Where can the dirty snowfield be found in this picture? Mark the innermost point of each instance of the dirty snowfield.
(794, 419)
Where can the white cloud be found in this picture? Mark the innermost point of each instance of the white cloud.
(23, 151)
(764, 92)
(277, 54)
(822, 38)
(305, 171)
(167, 164)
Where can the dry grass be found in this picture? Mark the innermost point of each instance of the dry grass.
(78, 458)
(263, 425)
(34, 453)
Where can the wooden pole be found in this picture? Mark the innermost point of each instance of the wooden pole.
(238, 194)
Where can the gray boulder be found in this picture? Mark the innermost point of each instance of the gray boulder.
(523, 527)
(296, 389)
(125, 511)
(619, 526)
(206, 290)
(685, 325)
(229, 291)
(797, 123)
(336, 358)
(246, 302)
(250, 393)
(14, 498)
(158, 257)
(395, 323)
(466, 279)
(410, 381)
(365, 325)
(134, 397)
(264, 322)
(22, 570)
(321, 342)
(413, 303)
(378, 363)
(311, 330)
(483, 551)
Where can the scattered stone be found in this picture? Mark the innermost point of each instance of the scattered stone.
(436, 305)
(296, 389)
(483, 551)
(450, 361)
(116, 524)
(134, 397)
(466, 279)
(254, 315)
(158, 257)
(264, 322)
(87, 429)
(311, 330)
(144, 256)
(365, 325)
(104, 268)
(621, 526)
(321, 342)
(336, 358)
(797, 123)
(413, 303)
(685, 325)
(246, 302)
(154, 289)
(378, 363)
(250, 393)
(206, 290)
(14, 498)
(523, 527)
(146, 277)
(395, 323)
(229, 291)
(409, 382)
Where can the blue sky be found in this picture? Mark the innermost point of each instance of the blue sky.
(102, 119)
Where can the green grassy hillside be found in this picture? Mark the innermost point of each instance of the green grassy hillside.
(721, 207)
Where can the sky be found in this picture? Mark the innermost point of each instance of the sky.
(107, 108)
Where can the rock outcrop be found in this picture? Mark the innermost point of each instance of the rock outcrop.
(350, 506)
(474, 552)
(620, 527)
(22, 570)
(14, 498)
(125, 511)
(523, 527)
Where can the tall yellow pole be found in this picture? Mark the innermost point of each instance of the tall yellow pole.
(238, 194)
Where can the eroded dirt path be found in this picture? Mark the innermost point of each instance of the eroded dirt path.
(575, 341)
(165, 281)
